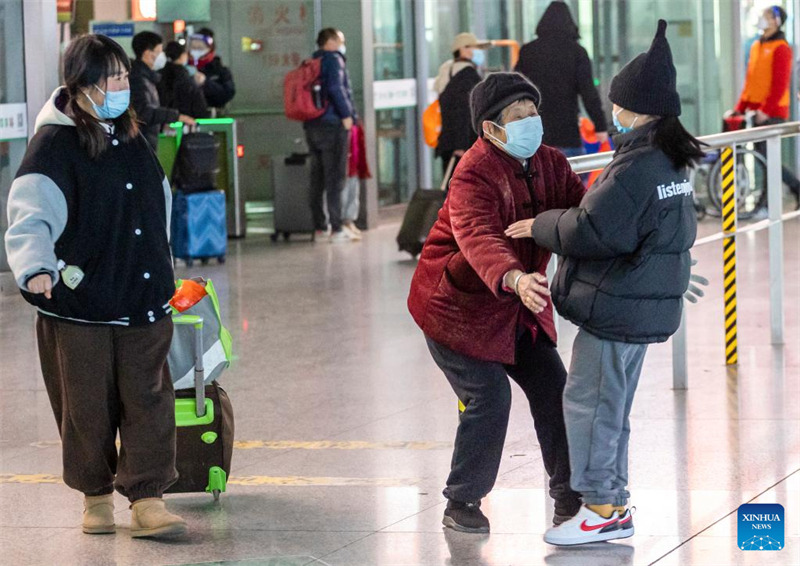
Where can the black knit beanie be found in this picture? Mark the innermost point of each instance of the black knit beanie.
(497, 91)
(647, 85)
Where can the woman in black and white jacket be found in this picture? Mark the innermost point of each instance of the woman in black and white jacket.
(88, 244)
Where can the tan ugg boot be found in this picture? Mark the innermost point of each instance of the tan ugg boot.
(150, 518)
(98, 515)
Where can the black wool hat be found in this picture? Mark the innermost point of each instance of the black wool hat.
(497, 91)
(647, 85)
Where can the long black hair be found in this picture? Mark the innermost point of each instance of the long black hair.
(89, 61)
(682, 148)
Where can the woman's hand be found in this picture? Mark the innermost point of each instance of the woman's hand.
(41, 284)
(187, 120)
(533, 292)
(761, 117)
(521, 229)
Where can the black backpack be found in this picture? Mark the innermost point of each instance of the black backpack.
(196, 164)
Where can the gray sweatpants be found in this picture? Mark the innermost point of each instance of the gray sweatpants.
(600, 386)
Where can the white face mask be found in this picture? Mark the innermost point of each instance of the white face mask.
(160, 61)
(198, 53)
(343, 49)
(762, 23)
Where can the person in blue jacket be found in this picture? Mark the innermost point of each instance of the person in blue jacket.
(328, 136)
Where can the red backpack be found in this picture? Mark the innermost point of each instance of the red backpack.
(302, 92)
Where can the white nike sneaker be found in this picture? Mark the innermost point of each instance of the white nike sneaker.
(625, 524)
(584, 528)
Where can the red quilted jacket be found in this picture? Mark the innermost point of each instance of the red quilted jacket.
(456, 293)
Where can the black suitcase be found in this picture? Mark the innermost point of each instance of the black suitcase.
(291, 182)
(421, 215)
(204, 419)
(196, 165)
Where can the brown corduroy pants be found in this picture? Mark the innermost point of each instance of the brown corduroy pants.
(102, 379)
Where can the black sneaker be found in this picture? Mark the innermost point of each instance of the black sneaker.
(565, 510)
(465, 517)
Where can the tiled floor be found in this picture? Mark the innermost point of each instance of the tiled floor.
(326, 351)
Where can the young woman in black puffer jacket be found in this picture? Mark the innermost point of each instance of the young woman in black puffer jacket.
(625, 268)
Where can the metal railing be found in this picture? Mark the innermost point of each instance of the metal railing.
(771, 135)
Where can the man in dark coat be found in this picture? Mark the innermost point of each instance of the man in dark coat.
(219, 87)
(558, 65)
(328, 136)
(179, 87)
(149, 51)
(482, 300)
(456, 79)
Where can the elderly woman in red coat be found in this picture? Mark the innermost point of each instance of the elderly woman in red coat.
(482, 301)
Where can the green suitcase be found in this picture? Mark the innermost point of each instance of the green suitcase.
(205, 427)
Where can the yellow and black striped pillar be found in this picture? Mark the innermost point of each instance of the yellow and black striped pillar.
(729, 253)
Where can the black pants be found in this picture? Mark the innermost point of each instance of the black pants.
(329, 145)
(484, 389)
(102, 379)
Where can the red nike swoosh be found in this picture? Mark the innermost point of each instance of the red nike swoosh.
(589, 528)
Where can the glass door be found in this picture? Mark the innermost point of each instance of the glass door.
(13, 112)
(619, 30)
(606, 23)
(395, 101)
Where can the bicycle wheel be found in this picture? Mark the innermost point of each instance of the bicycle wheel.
(751, 183)
(698, 177)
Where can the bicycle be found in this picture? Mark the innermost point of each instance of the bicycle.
(751, 174)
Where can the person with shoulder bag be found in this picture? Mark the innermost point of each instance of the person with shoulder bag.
(454, 83)
(328, 137)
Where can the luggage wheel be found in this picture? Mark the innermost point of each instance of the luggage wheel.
(189, 263)
(221, 259)
(204, 261)
(274, 236)
(216, 493)
(286, 236)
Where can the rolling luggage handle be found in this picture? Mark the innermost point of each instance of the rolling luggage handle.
(448, 174)
(199, 371)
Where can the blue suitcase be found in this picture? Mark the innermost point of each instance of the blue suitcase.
(199, 230)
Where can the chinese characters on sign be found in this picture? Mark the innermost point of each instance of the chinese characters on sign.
(288, 32)
(286, 29)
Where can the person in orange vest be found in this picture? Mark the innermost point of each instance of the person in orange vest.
(766, 86)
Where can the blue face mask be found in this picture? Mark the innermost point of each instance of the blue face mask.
(623, 129)
(478, 57)
(114, 106)
(523, 137)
